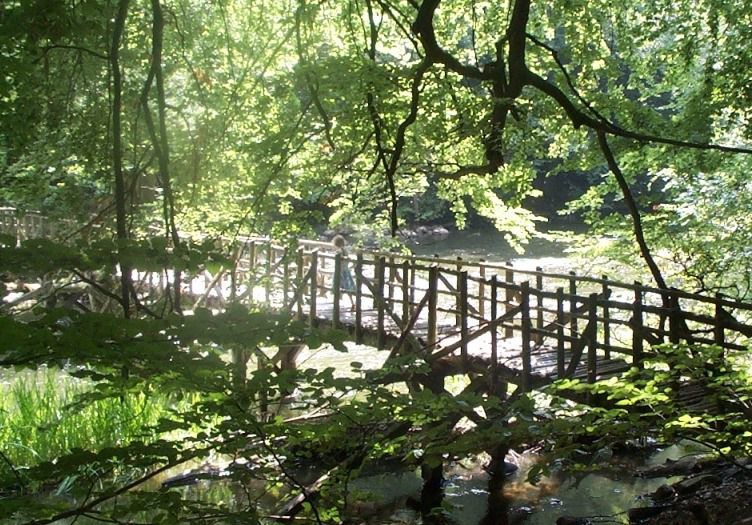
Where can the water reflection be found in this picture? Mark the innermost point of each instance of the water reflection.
(389, 495)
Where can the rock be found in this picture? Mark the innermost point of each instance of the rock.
(510, 468)
(693, 484)
(639, 514)
(571, 520)
(681, 467)
(664, 493)
(439, 231)
(709, 502)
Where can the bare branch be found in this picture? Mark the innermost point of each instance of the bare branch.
(568, 78)
(82, 49)
(633, 211)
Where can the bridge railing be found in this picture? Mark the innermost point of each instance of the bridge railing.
(585, 321)
(541, 324)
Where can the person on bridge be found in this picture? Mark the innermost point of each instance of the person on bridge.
(346, 282)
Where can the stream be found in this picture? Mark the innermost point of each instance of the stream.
(490, 245)
(384, 495)
(611, 491)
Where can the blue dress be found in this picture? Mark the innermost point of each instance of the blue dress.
(346, 282)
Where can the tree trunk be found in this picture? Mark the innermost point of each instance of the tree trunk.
(117, 151)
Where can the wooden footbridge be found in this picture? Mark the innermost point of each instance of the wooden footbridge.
(526, 327)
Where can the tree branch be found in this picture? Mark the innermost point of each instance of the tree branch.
(82, 49)
(423, 27)
(633, 211)
(568, 78)
(310, 81)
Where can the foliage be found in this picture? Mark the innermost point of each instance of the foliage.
(684, 392)
(40, 419)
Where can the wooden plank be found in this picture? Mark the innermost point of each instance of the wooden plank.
(491, 325)
(407, 329)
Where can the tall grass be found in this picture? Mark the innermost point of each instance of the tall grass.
(37, 423)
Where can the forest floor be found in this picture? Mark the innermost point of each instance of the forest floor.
(719, 494)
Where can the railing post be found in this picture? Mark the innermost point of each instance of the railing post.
(314, 287)
(413, 270)
(300, 288)
(234, 274)
(573, 304)
(606, 319)
(390, 287)
(286, 276)
(525, 326)
(674, 318)
(718, 334)
(433, 299)
(268, 272)
(405, 291)
(592, 359)
(251, 268)
(509, 297)
(637, 326)
(560, 320)
(458, 311)
(463, 310)
(494, 332)
(482, 290)
(538, 338)
(379, 300)
(359, 299)
(336, 288)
